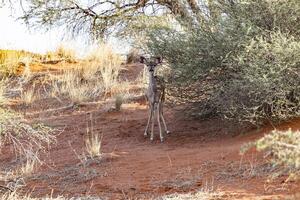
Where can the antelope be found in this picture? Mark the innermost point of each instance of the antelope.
(155, 95)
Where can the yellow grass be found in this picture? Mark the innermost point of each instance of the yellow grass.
(10, 60)
(28, 97)
(28, 167)
(93, 145)
(104, 60)
(61, 52)
(96, 76)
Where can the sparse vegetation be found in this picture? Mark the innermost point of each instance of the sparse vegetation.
(199, 195)
(106, 63)
(28, 167)
(16, 196)
(10, 61)
(62, 52)
(3, 99)
(28, 97)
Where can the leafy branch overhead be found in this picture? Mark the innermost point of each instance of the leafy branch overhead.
(102, 17)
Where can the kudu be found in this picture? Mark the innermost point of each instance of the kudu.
(155, 95)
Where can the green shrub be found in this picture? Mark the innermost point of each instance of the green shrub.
(242, 63)
(266, 85)
(283, 149)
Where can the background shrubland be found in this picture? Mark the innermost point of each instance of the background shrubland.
(248, 49)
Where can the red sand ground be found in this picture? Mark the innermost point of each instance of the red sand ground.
(196, 155)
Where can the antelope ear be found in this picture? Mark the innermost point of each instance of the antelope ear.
(142, 59)
(158, 60)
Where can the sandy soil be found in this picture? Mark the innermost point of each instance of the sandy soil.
(196, 155)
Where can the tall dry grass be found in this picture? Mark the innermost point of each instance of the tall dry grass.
(12, 60)
(9, 60)
(105, 62)
(71, 84)
(61, 52)
(90, 79)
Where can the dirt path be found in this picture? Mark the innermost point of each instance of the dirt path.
(197, 155)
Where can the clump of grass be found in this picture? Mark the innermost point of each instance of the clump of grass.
(26, 72)
(9, 60)
(73, 85)
(28, 167)
(93, 145)
(97, 76)
(64, 52)
(12, 60)
(28, 97)
(92, 140)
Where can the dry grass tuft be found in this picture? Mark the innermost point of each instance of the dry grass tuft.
(11, 60)
(71, 83)
(92, 140)
(28, 97)
(96, 76)
(29, 167)
(93, 145)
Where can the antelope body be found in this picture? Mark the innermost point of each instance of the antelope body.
(155, 95)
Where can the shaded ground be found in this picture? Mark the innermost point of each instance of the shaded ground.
(197, 155)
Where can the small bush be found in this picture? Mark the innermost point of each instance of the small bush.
(283, 148)
(266, 81)
(10, 61)
(241, 63)
(23, 136)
